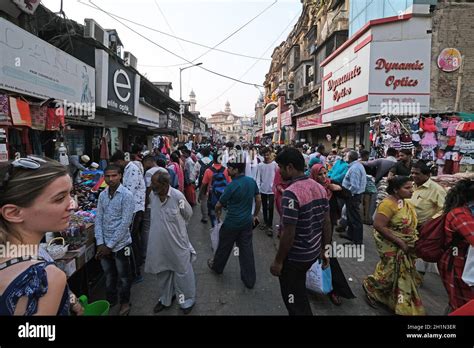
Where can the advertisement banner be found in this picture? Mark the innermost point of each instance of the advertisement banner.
(310, 122)
(31, 66)
(121, 89)
(271, 121)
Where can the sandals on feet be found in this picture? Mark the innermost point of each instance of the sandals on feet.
(370, 301)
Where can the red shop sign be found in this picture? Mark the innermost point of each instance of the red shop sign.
(309, 122)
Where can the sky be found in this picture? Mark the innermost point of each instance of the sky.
(206, 22)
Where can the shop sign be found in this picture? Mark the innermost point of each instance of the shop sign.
(271, 121)
(188, 126)
(449, 60)
(345, 84)
(31, 66)
(386, 68)
(400, 77)
(121, 89)
(170, 120)
(310, 122)
(286, 118)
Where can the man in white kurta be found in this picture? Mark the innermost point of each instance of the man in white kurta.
(169, 252)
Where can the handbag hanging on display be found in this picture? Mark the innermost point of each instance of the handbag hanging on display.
(20, 112)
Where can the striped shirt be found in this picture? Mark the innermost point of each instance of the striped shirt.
(304, 204)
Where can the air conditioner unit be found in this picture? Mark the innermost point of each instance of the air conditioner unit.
(311, 71)
(95, 31)
(130, 60)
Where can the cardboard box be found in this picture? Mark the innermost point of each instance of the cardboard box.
(68, 263)
(90, 234)
(90, 252)
(70, 267)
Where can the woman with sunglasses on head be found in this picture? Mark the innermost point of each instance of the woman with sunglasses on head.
(34, 199)
(339, 283)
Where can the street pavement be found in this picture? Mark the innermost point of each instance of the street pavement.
(225, 294)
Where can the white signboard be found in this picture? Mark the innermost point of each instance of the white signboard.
(346, 84)
(400, 77)
(271, 121)
(31, 66)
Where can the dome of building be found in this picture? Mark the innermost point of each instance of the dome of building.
(230, 118)
(192, 94)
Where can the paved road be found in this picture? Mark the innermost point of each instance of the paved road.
(226, 295)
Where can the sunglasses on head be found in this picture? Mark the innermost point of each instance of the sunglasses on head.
(30, 162)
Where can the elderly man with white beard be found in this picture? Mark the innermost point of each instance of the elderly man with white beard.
(170, 253)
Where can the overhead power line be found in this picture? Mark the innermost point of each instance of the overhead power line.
(172, 53)
(170, 35)
(272, 45)
(237, 30)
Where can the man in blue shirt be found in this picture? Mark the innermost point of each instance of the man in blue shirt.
(238, 198)
(354, 182)
(113, 238)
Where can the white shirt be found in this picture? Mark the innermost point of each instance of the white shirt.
(150, 172)
(133, 180)
(265, 177)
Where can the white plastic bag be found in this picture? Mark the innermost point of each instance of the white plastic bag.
(468, 273)
(318, 279)
(215, 236)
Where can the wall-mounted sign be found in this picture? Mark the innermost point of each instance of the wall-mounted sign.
(170, 121)
(310, 122)
(271, 121)
(31, 66)
(449, 60)
(121, 90)
(188, 126)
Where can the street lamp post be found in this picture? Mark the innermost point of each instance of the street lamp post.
(181, 104)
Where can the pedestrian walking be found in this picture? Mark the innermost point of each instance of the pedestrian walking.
(458, 227)
(237, 228)
(354, 182)
(395, 281)
(200, 168)
(189, 179)
(306, 229)
(214, 182)
(134, 181)
(170, 253)
(264, 178)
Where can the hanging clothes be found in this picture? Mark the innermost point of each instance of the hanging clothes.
(104, 149)
(38, 117)
(428, 125)
(35, 140)
(26, 141)
(5, 119)
(20, 112)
